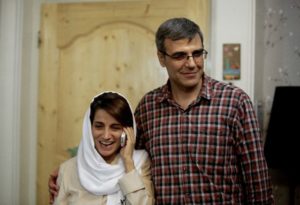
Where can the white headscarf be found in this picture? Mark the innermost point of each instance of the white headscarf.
(97, 176)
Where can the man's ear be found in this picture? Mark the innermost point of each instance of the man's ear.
(161, 58)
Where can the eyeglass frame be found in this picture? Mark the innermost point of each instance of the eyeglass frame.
(185, 55)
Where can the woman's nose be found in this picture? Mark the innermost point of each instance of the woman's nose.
(106, 134)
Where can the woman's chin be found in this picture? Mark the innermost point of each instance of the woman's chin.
(107, 151)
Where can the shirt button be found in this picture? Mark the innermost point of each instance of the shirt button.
(187, 195)
(184, 169)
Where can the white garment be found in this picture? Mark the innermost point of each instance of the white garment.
(97, 176)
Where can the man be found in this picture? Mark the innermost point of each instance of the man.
(201, 134)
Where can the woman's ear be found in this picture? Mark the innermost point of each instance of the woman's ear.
(161, 58)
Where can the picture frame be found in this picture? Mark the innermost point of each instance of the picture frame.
(232, 61)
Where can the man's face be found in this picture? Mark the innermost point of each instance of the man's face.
(184, 73)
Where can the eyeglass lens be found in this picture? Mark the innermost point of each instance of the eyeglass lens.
(183, 55)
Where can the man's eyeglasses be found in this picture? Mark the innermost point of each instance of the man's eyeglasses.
(179, 56)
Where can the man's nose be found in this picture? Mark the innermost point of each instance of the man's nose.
(190, 61)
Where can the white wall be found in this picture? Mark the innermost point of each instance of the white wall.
(10, 85)
(18, 104)
(29, 104)
(232, 22)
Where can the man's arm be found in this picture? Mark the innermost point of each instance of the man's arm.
(257, 182)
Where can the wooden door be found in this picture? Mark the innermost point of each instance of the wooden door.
(88, 48)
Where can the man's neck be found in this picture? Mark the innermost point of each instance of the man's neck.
(185, 96)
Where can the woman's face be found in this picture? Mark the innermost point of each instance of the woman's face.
(106, 132)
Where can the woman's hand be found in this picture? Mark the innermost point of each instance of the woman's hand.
(127, 151)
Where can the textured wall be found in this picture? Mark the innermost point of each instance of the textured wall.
(277, 64)
(277, 49)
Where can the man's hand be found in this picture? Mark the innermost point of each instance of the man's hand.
(52, 186)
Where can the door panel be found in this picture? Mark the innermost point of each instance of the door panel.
(88, 48)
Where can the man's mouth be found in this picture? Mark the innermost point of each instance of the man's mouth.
(189, 74)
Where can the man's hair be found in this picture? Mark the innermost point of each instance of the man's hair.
(176, 29)
(116, 105)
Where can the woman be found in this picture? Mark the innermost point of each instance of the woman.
(103, 172)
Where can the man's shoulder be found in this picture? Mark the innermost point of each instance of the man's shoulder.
(152, 95)
(149, 101)
(155, 92)
(226, 88)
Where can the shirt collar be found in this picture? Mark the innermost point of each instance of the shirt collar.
(165, 93)
(206, 90)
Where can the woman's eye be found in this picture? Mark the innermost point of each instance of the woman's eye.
(98, 125)
(116, 128)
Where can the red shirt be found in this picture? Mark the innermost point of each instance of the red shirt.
(210, 153)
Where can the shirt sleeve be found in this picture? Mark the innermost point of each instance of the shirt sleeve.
(138, 188)
(253, 164)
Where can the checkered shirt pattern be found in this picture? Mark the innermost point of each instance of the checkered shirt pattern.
(210, 153)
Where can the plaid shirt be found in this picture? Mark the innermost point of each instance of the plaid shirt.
(210, 153)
